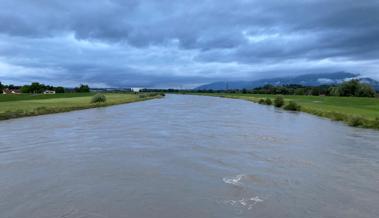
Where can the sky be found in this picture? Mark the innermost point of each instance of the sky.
(182, 44)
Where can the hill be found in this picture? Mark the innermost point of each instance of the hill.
(306, 80)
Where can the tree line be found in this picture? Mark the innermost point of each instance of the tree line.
(352, 88)
(38, 88)
(349, 88)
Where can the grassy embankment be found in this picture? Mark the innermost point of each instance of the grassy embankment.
(14, 106)
(354, 111)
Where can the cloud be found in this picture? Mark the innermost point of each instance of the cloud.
(173, 43)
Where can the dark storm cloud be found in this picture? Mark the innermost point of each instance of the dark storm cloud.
(157, 43)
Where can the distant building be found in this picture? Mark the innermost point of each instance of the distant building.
(11, 91)
(49, 92)
(136, 89)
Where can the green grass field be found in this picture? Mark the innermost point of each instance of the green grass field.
(362, 112)
(13, 106)
(21, 97)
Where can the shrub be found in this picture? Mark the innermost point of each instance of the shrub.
(261, 101)
(292, 106)
(279, 101)
(40, 110)
(98, 98)
(152, 94)
(337, 116)
(356, 121)
(375, 123)
(268, 101)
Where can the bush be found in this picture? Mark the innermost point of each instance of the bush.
(98, 98)
(337, 116)
(261, 101)
(268, 101)
(292, 106)
(375, 123)
(356, 121)
(279, 101)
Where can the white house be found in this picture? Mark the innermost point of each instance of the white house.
(49, 92)
(11, 91)
(136, 89)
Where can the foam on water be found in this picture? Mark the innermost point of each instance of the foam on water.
(234, 180)
(244, 203)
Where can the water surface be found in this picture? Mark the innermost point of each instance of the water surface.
(187, 156)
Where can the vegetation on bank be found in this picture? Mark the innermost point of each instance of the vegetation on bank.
(354, 111)
(98, 98)
(352, 88)
(29, 105)
(279, 102)
(38, 88)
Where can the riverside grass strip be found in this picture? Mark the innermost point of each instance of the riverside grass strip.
(48, 105)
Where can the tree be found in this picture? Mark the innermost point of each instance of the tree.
(25, 89)
(315, 91)
(36, 87)
(349, 88)
(1, 87)
(59, 89)
(82, 88)
(299, 91)
(353, 88)
(365, 90)
(334, 91)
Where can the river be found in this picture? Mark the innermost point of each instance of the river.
(187, 157)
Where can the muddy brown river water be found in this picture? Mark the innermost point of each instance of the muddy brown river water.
(187, 157)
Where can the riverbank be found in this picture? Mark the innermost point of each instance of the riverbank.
(354, 111)
(15, 106)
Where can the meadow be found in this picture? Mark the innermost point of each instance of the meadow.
(14, 106)
(354, 111)
(24, 97)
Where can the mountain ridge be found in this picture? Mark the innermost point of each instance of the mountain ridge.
(305, 79)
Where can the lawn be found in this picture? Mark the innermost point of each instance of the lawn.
(27, 105)
(345, 109)
(21, 97)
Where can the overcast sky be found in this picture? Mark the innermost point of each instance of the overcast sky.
(168, 43)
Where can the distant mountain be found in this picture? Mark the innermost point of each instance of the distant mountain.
(306, 80)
